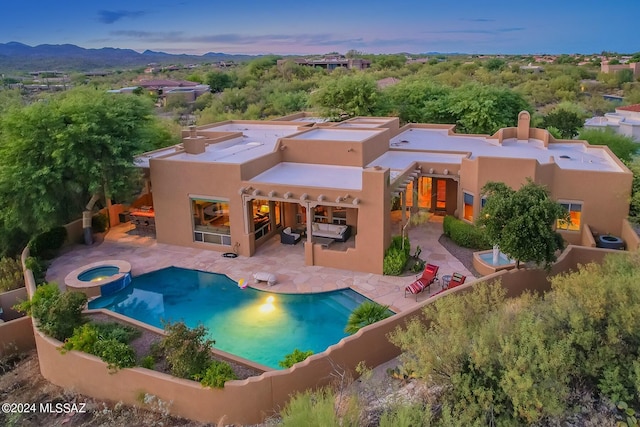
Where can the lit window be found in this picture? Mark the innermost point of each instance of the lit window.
(468, 207)
(575, 215)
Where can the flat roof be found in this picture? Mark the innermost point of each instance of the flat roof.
(312, 175)
(256, 141)
(331, 134)
(578, 156)
(357, 125)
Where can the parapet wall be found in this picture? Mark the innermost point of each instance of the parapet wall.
(250, 401)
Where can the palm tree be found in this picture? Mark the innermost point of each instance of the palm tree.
(367, 313)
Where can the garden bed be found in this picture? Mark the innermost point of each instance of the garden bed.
(142, 346)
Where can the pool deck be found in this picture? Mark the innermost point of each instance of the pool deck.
(285, 261)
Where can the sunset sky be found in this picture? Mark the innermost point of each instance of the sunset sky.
(287, 27)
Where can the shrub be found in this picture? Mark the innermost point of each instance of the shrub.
(406, 415)
(117, 355)
(56, 313)
(396, 257)
(394, 262)
(367, 313)
(99, 223)
(38, 267)
(83, 339)
(119, 332)
(148, 362)
(45, 245)
(294, 357)
(187, 351)
(318, 409)
(217, 374)
(465, 234)
(10, 274)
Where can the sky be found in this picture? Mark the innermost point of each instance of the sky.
(303, 27)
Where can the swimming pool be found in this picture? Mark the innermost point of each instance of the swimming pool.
(241, 321)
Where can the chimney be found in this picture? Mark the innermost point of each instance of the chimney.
(524, 123)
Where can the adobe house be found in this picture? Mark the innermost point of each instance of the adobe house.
(234, 185)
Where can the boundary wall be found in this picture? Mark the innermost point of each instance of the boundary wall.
(252, 400)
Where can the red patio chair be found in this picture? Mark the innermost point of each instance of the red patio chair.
(428, 276)
(457, 279)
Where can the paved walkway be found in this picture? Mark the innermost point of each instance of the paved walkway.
(285, 261)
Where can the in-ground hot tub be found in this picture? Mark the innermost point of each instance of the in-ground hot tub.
(100, 278)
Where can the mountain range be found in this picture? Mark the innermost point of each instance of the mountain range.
(19, 57)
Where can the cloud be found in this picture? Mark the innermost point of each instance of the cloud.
(480, 20)
(474, 31)
(111, 16)
(237, 39)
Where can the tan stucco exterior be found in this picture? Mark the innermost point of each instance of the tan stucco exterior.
(216, 162)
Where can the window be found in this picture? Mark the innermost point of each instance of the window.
(467, 211)
(575, 215)
(211, 221)
(483, 201)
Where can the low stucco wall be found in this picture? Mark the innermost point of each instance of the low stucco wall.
(8, 300)
(16, 336)
(630, 237)
(250, 401)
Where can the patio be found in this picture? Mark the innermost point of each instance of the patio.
(285, 261)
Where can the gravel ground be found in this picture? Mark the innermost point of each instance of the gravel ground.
(464, 255)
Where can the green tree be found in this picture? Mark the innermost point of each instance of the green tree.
(485, 109)
(494, 64)
(567, 122)
(218, 81)
(350, 95)
(68, 148)
(522, 222)
(420, 101)
(634, 208)
(622, 146)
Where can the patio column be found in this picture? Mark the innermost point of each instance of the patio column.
(403, 204)
(309, 223)
(415, 193)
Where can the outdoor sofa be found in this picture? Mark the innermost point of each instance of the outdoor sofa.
(340, 233)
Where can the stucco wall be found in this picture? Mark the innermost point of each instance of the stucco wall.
(16, 336)
(270, 391)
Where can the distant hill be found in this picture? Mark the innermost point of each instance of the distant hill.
(19, 57)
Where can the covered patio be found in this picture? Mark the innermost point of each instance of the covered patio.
(285, 261)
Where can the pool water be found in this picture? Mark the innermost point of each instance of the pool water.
(98, 273)
(502, 259)
(259, 326)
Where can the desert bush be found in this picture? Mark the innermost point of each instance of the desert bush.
(522, 361)
(99, 223)
(148, 362)
(465, 234)
(117, 331)
(83, 339)
(294, 357)
(45, 245)
(38, 267)
(217, 374)
(57, 314)
(117, 355)
(406, 416)
(10, 274)
(318, 409)
(187, 351)
(396, 256)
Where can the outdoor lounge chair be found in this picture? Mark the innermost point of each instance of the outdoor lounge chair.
(457, 279)
(428, 276)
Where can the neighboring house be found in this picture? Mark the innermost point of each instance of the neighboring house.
(633, 66)
(234, 185)
(625, 121)
(167, 89)
(331, 62)
(532, 68)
